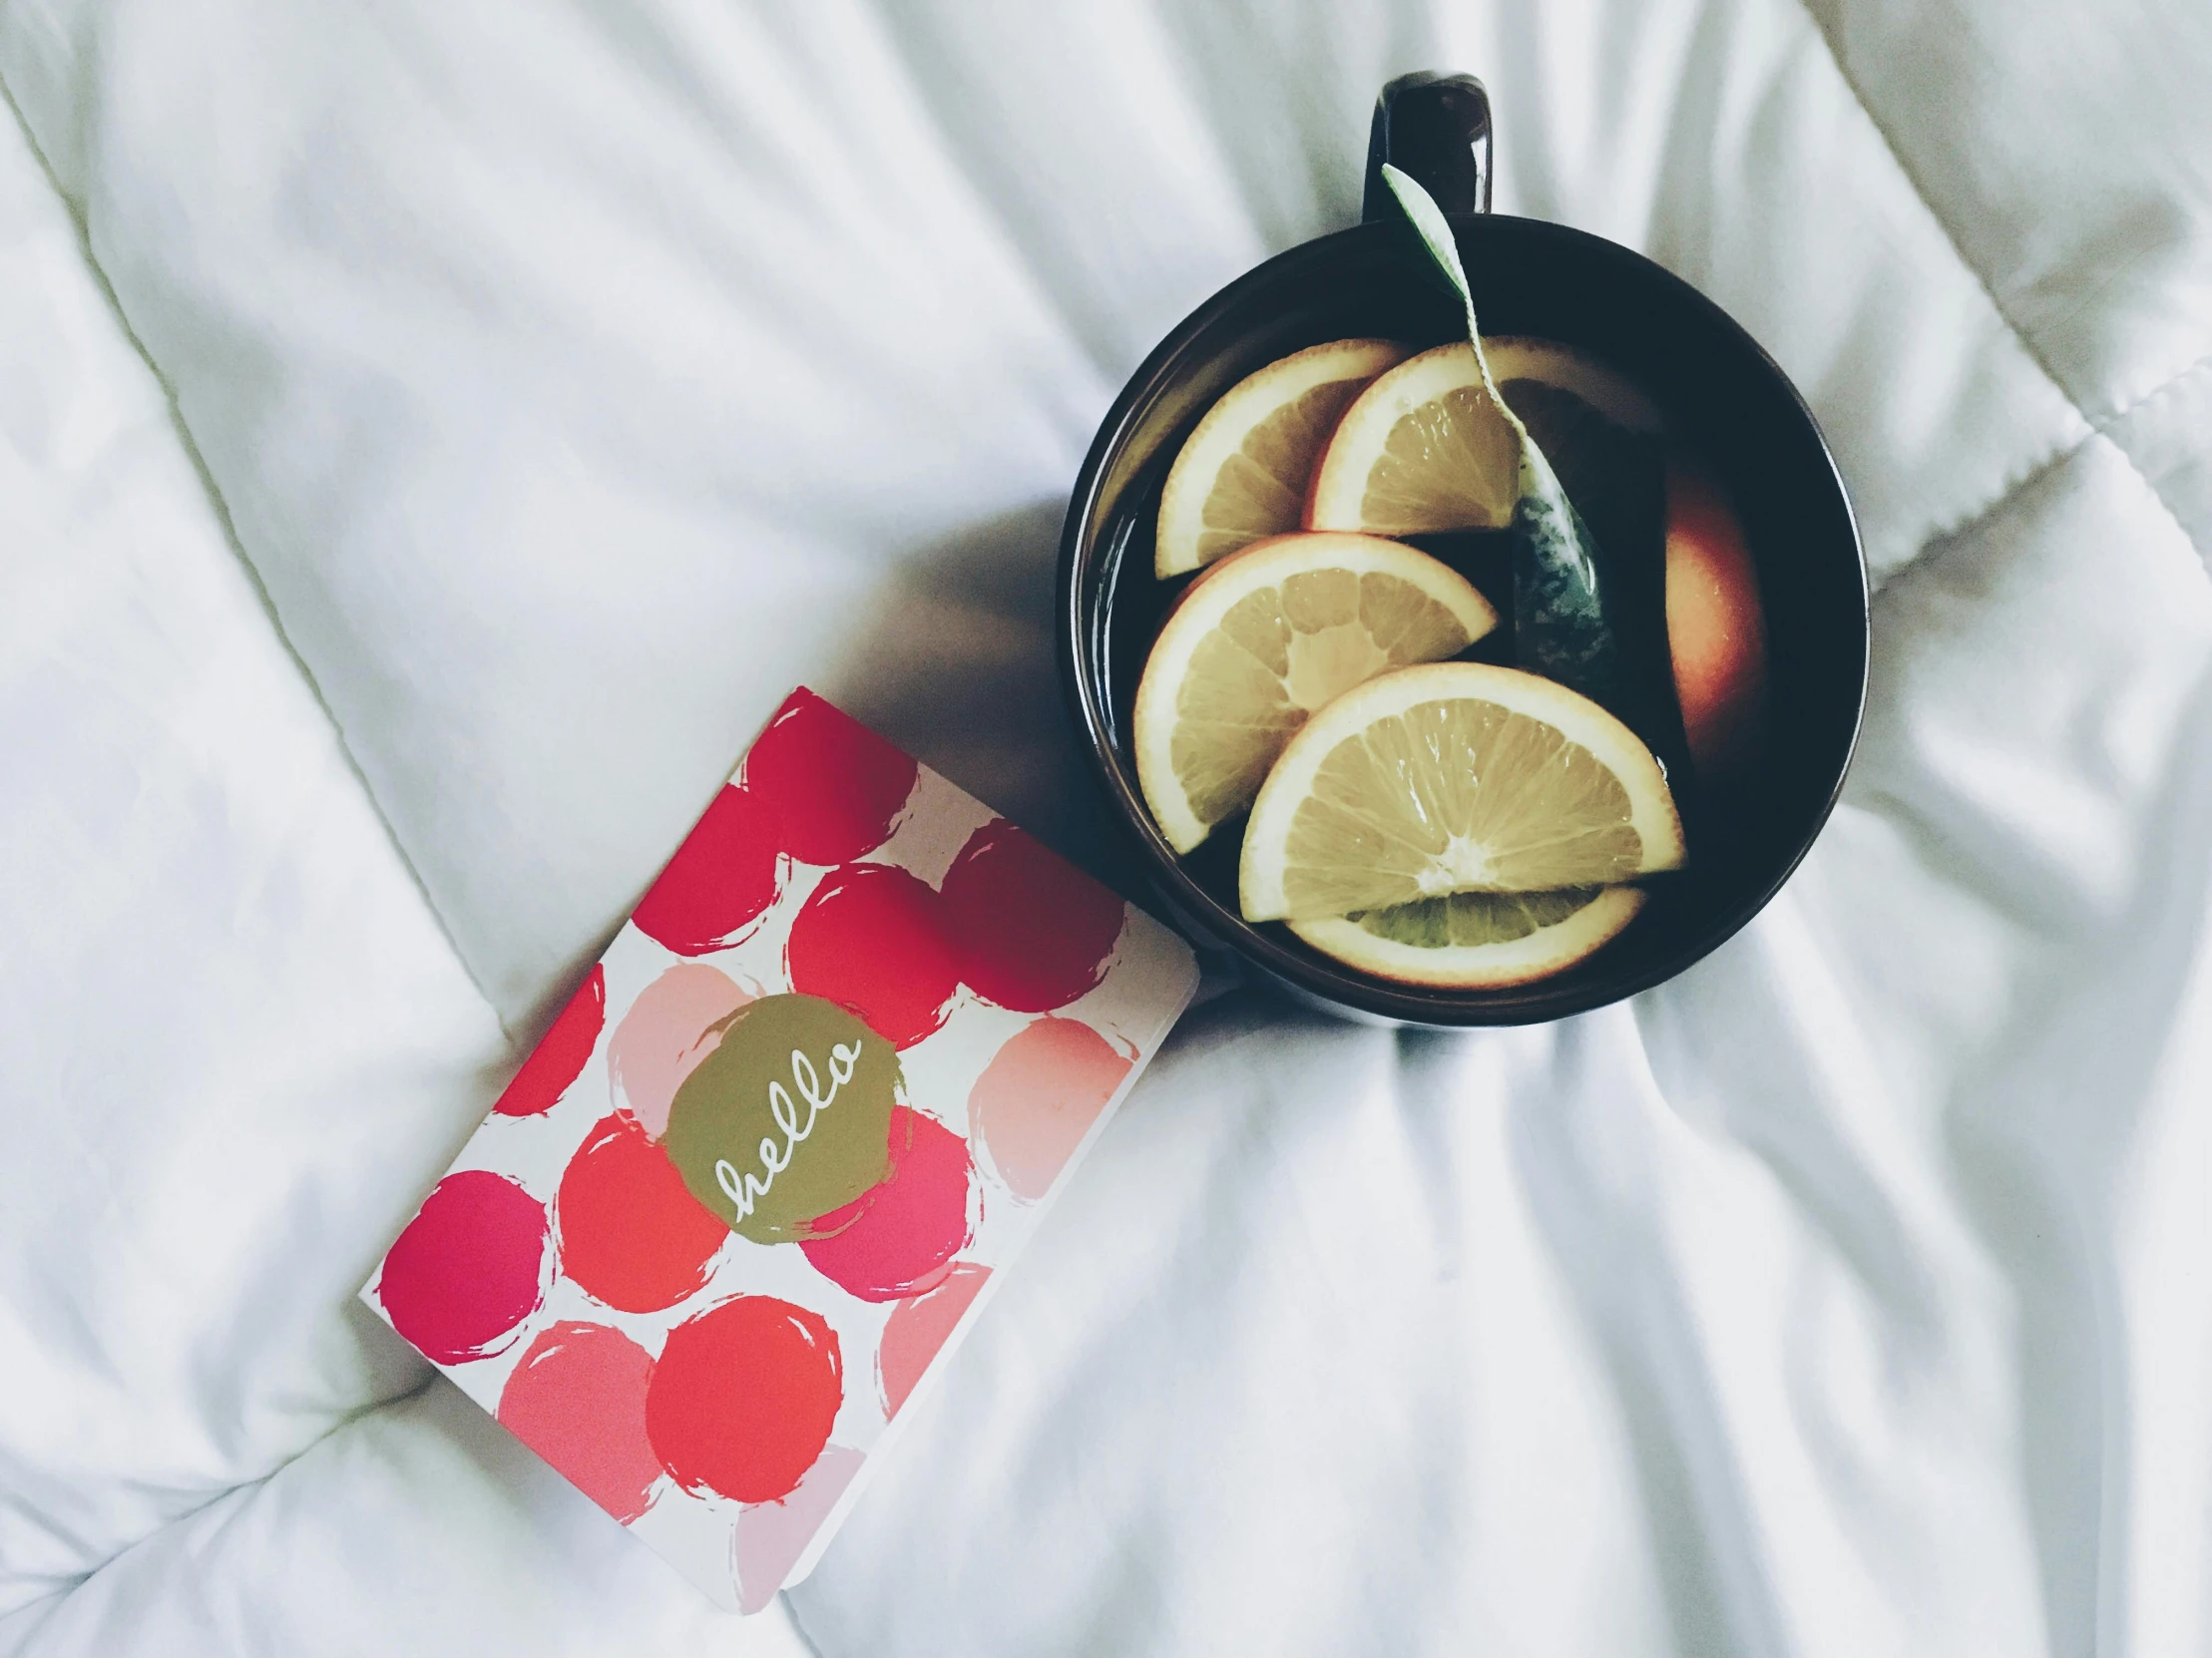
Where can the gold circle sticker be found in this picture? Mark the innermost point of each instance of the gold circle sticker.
(788, 1119)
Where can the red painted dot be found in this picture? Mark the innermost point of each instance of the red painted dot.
(578, 1398)
(721, 878)
(743, 1397)
(917, 1330)
(837, 785)
(559, 1060)
(873, 939)
(632, 1235)
(1033, 930)
(904, 1231)
(469, 1268)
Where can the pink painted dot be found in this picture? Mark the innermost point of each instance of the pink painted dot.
(469, 1268)
(872, 938)
(1034, 931)
(902, 1234)
(670, 1029)
(1039, 1097)
(723, 876)
(917, 1330)
(559, 1060)
(578, 1398)
(837, 785)
(770, 1537)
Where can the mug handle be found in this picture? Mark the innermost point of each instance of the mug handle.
(1436, 128)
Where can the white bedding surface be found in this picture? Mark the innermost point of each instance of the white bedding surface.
(431, 440)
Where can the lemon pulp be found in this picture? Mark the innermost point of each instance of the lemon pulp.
(1262, 489)
(1450, 463)
(1266, 637)
(1404, 811)
(1452, 777)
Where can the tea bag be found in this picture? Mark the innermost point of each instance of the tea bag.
(1572, 603)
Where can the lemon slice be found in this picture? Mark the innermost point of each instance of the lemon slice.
(1543, 362)
(1242, 471)
(1477, 940)
(1265, 638)
(1424, 448)
(1452, 777)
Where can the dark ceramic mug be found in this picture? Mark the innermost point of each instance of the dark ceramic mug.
(1724, 399)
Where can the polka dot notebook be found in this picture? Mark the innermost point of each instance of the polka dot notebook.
(770, 1162)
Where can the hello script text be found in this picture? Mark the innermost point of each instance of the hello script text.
(746, 1190)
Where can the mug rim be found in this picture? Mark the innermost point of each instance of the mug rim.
(1343, 989)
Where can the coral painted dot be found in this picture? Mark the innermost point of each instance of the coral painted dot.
(917, 1330)
(905, 1232)
(1039, 1097)
(873, 939)
(770, 1537)
(837, 785)
(1034, 931)
(559, 1060)
(578, 1398)
(469, 1268)
(743, 1396)
(723, 876)
(674, 1025)
(632, 1235)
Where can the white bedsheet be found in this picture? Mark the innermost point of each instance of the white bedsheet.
(432, 437)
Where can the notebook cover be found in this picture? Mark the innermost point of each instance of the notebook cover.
(768, 1164)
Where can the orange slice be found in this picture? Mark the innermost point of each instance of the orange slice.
(1449, 778)
(1242, 471)
(1265, 638)
(1715, 630)
(1425, 449)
